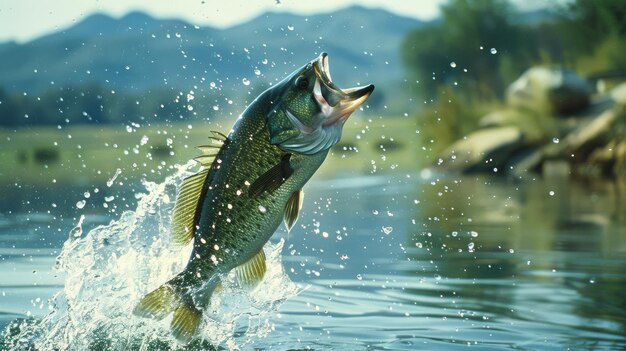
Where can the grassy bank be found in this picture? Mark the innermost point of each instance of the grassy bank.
(88, 154)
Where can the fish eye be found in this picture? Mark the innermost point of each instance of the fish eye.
(302, 82)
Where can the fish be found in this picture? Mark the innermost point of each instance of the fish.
(250, 181)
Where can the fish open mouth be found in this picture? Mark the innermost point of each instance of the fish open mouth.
(336, 104)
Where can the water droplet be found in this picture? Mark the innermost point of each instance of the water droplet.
(473, 234)
(511, 251)
(257, 72)
(453, 64)
(359, 277)
(555, 140)
(245, 81)
(77, 231)
(419, 245)
(290, 27)
(86, 194)
(437, 277)
(387, 230)
(262, 209)
(470, 246)
(551, 193)
(80, 204)
(112, 180)
(493, 51)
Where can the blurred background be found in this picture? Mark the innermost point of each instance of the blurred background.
(504, 118)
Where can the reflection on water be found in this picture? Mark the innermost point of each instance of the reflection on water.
(392, 263)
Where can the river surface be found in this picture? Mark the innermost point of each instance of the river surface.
(380, 262)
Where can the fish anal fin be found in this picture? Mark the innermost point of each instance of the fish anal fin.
(273, 178)
(251, 273)
(157, 304)
(186, 207)
(185, 322)
(293, 208)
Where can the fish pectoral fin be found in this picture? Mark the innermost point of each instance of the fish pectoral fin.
(185, 322)
(157, 304)
(273, 178)
(251, 273)
(293, 208)
(187, 207)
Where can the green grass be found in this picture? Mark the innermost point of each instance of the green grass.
(92, 154)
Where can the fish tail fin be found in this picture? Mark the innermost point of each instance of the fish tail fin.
(187, 318)
(167, 299)
(158, 303)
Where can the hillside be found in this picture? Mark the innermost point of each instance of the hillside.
(136, 53)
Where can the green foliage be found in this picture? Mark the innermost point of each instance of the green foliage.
(587, 35)
(448, 118)
(589, 22)
(464, 38)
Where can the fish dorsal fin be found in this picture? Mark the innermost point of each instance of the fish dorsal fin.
(217, 136)
(273, 178)
(251, 273)
(186, 207)
(292, 209)
(210, 151)
(205, 160)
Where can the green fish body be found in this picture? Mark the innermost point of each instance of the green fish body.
(252, 184)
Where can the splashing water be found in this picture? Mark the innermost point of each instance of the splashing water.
(113, 266)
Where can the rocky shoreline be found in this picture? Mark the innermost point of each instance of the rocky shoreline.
(553, 124)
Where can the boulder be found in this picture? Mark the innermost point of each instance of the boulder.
(482, 151)
(619, 94)
(556, 91)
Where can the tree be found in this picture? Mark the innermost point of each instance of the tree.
(473, 35)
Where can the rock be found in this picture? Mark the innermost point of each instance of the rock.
(591, 133)
(536, 127)
(502, 118)
(556, 168)
(525, 161)
(619, 94)
(482, 151)
(553, 90)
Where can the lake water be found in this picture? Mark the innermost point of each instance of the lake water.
(379, 262)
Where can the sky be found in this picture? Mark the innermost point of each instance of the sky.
(24, 20)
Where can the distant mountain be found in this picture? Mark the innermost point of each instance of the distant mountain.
(136, 53)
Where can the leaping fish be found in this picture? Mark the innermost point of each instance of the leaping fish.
(249, 184)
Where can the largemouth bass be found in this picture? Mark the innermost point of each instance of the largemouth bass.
(251, 183)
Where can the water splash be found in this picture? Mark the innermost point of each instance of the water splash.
(110, 268)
